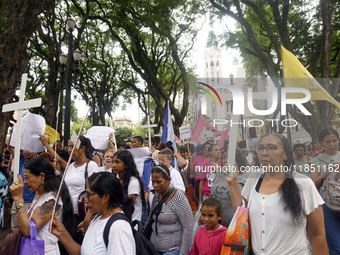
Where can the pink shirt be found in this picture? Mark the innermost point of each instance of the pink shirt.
(208, 243)
(198, 163)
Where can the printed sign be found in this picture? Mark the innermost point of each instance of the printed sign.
(185, 132)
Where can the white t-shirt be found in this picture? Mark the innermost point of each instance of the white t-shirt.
(121, 240)
(134, 189)
(75, 181)
(270, 224)
(51, 241)
(102, 169)
(176, 179)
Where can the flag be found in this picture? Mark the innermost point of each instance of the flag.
(168, 129)
(52, 134)
(296, 75)
(204, 132)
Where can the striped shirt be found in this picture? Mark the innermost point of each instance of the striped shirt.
(174, 226)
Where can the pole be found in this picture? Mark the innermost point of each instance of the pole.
(68, 90)
(61, 97)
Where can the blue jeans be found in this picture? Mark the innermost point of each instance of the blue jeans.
(168, 253)
(332, 226)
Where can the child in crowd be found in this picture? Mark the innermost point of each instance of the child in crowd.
(209, 238)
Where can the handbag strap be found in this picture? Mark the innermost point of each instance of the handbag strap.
(160, 203)
(33, 230)
(86, 175)
(157, 210)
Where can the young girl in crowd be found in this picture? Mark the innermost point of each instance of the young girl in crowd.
(209, 238)
(124, 166)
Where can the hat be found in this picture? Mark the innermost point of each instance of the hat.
(183, 148)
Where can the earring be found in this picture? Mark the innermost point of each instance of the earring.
(42, 182)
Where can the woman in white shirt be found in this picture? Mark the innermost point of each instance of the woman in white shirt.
(124, 166)
(103, 195)
(285, 209)
(40, 177)
(75, 177)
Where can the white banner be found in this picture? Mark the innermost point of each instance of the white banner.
(99, 136)
(139, 155)
(185, 132)
(33, 125)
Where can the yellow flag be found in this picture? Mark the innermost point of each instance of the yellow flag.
(50, 133)
(296, 75)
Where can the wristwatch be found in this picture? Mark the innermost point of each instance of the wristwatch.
(19, 205)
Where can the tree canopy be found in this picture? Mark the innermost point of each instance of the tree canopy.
(309, 29)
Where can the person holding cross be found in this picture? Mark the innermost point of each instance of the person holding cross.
(40, 177)
(25, 157)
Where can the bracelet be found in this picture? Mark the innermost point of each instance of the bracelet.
(22, 211)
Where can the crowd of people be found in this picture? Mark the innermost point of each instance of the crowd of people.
(295, 210)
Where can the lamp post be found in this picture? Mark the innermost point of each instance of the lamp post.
(62, 60)
(94, 108)
(76, 57)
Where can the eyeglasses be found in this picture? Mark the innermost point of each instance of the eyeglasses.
(88, 194)
(162, 160)
(270, 148)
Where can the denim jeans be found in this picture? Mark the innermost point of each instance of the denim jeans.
(332, 226)
(168, 253)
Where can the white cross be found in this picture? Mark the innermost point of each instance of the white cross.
(20, 106)
(148, 126)
(233, 131)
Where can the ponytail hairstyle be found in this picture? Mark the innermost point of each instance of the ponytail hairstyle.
(129, 171)
(52, 183)
(107, 183)
(289, 190)
(85, 142)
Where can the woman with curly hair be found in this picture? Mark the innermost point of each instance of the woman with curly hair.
(285, 208)
(124, 166)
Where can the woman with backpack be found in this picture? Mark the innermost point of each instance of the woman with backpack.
(104, 196)
(325, 172)
(170, 224)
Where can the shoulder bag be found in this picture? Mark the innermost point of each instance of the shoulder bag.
(81, 198)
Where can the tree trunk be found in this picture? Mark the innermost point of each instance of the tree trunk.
(21, 22)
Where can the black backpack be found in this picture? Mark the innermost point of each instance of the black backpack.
(143, 245)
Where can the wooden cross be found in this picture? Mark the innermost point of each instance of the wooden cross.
(148, 126)
(20, 106)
